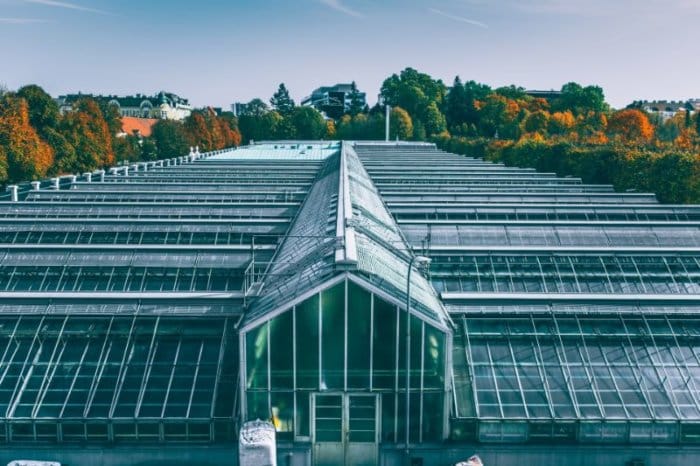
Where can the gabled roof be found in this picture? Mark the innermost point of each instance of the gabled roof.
(343, 227)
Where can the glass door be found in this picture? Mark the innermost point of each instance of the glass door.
(345, 429)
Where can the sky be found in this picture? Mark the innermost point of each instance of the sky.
(216, 52)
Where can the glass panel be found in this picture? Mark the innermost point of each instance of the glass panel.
(256, 356)
(302, 413)
(307, 343)
(359, 328)
(384, 357)
(333, 337)
(257, 405)
(329, 418)
(282, 409)
(432, 417)
(362, 421)
(281, 352)
(434, 358)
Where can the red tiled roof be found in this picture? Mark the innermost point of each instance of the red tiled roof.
(142, 125)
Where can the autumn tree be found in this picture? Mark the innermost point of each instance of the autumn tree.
(28, 157)
(282, 101)
(197, 130)
(86, 129)
(537, 122)
(561, 122)
(630, 126)
(401, 124)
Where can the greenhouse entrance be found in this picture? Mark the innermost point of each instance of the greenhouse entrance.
(345, 429)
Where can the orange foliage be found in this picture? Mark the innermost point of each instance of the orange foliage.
(28, 157)
(631, 126)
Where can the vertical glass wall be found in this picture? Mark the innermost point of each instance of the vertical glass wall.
(346, 339)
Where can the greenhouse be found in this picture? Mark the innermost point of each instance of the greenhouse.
(379, 303)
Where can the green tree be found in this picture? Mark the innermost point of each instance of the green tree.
(413, 91)
(434, 120)
(281, 101)
(43, 110)
(580, 100)
(308, 123)
(401, 124)
(457, 105)
(356, 103)
(170, 139)
(65, 156)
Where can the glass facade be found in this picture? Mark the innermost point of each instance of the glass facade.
(344, 340)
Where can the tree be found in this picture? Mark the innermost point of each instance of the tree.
(170, 138)
(413, 91)
(28, 157)
(65, 157)
(43, 110)
(630, 126)
(308, 123)
(3, 160)
(580, 99)
(561, 122)
(457, 105)
(281, 101)
(434, 120)
(697, 123)
(256, 107)
(87, 131)
(401, 124)
(356, 102)
(197, 130)
(537, 122)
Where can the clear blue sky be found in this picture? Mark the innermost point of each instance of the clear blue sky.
(218, 51)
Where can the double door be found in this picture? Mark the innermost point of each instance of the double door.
(345, 429)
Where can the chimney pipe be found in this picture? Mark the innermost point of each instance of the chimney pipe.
(56, 183)
(36, 185)
(388, 122)
(13, 192)
(88, 177)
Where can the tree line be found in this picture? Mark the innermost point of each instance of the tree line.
(37, 141)
(573, 132)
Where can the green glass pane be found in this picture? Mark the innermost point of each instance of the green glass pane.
(384, 357)
(416, 351)
(256, 357)
(389, 417)
(402, 350)
(281, 352)
(434, 358)
(359, 331)
(307, 343)
(257, 405)
(302, 413)
(432, 417)
(282, 409)
(333, 337)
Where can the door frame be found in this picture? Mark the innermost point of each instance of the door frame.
(345, 422)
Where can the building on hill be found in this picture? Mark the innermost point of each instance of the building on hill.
(667, 108)
(239, 108)
(334, 101)
(164, 105)
(381, 303)
(549, 96)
